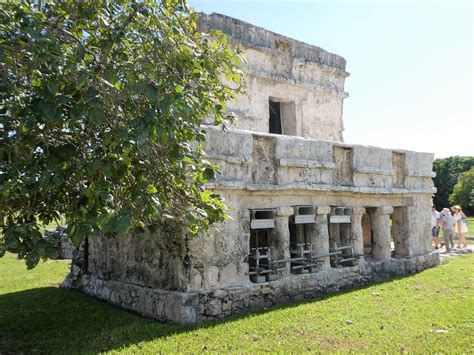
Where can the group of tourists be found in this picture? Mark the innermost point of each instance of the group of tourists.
(453, 222)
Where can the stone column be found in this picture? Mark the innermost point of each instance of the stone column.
(282, 232)
(357, 235)
(245, 240)
(321, 240)
(380, 220)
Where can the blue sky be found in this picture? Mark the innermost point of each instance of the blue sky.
(411, 64)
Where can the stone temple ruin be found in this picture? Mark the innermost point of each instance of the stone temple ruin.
(310, 214)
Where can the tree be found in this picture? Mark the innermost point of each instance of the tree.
(447, 172)
(463, 192)
(101, 105)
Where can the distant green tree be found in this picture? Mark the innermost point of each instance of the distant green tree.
(101, 104)
(463, 192)
(447, 172)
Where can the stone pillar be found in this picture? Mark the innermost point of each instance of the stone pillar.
(357, 235)
(380, 219)
(321, 240)
(400, 234)
(245, 240)
(282, 232)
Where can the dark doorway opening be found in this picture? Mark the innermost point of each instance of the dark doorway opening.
(367, 234)
(275, 118)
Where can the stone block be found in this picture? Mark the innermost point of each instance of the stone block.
(196, 279)
(226, 306)
(211, 275)
(213, 308)
(229, 274)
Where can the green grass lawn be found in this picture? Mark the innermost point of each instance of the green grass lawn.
(432, 311)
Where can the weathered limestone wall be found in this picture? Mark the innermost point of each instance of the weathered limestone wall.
(316, 114)
(157, 261)
(260, 38)
(259, 161)
(267, 171)
(222, 258)
(179, 279)
(306, 79)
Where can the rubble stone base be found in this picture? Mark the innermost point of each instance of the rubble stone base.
(196, 306)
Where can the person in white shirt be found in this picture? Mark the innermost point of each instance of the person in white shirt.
(448, 228)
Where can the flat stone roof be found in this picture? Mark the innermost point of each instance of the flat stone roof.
(252, 36)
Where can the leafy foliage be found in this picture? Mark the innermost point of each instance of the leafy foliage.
(101, 106)
(447, 172)
(463, 191)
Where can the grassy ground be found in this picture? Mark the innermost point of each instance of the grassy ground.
(432, 311)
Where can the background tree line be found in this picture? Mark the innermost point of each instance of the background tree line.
(454, 182)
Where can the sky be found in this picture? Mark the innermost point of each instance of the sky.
(410, 64)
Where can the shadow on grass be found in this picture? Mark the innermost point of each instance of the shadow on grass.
(50, 319)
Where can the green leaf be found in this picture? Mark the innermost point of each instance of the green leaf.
(127, 161)
(208, 173)
(78, 232)
(150, 92)
(142, 143)
(118, 223)
(12, 242)
(178, 89)
(81, 80)
(124, 223)
(111, 75)
(49, 110)
(96, 115)
(107, 168)
(152, 189)
(52, 252)
(52, 88)
(23, 128)
(31, 259)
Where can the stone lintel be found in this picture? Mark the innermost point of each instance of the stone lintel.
(323, 210)
(284, 211)
(384, 210)
(358, 210)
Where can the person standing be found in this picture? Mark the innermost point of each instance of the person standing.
(461, 227)
(448, 223)
(435, 227)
